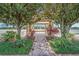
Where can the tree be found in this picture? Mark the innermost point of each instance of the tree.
(65, 14)
(18, 14)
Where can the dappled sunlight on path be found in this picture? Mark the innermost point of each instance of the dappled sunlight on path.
(41, 47)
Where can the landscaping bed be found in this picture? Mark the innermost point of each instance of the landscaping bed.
(11, 45)
(20, 47)
(64, 46)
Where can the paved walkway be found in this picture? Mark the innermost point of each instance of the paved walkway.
(41, 46)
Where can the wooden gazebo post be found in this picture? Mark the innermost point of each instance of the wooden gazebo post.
(29, 30)
(49, 28)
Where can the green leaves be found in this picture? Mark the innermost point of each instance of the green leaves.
(9, 35)
(65, 46)
(18, 12)
(21, 47)
(64, 14)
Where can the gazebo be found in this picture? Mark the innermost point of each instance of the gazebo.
(39, 26)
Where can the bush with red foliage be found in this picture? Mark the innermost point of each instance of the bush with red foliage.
(53, 30)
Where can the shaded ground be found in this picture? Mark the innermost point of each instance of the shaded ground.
(41, 47)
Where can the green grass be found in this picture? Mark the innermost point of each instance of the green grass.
(65, 46)
(20, 47)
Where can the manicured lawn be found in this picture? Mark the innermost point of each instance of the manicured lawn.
(20, 47)
(64, 46)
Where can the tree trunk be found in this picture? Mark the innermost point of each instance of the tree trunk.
(18, 32)
(65, 30)
(18, 23)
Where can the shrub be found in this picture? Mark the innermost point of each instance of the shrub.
(17, 37)
(70, 35)
(9, 35)
(23, 43)
(12, 48)
(62, 45)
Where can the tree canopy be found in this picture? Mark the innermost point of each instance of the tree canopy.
(22, 14)
(65, 14)
(18, 14)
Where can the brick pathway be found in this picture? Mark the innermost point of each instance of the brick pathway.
(41, 47)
